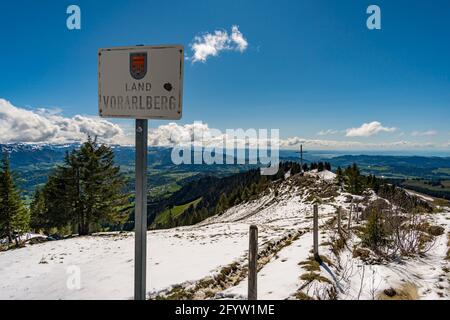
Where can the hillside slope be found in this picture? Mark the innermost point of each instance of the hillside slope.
(209, 260)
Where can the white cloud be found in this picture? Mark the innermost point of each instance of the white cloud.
(238, 38)
(368, 129)
(49, 126)
(211, 44)
(294, 143)
(424, 133)
(327, 132)
(175, 134)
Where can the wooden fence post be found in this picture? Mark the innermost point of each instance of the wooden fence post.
(252, 263)
(316, 231)
(357, 212)
(339, 220)
(350, 217)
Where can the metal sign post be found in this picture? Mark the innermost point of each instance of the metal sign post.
(253, 263)
(140, 215)
(141, 82)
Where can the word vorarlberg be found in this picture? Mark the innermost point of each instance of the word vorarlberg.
(142, 102)
(235, 146)
(138, 102)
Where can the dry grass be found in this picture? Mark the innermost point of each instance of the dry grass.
(408, 291)
(312, 276)
(448, 246)
(299, 295)
(310, 265)
(362, 253)
(338, 245)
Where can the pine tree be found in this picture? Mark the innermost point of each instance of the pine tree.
(253, 189)
(38, 219)
(237, 197)
(245, 194)
(14, 216)
(87, 190)
(373, 183)
(222, 205)
(203, 213)
(320, 167)
(374, 233)
(354, 180)
(262, 184)
(339, 176)
(280, 174)
(170, 220)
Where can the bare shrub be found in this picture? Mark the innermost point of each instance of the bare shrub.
(391, 232)
(407, 234)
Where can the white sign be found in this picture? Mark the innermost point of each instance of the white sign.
(141, 82)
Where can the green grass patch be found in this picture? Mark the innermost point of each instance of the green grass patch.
(163, 217)
(442, 171)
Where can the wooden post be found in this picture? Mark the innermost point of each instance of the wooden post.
(339, 220)
(350, 217)
(252, 263)
(301, 159)
(316, 231)
(357, 212)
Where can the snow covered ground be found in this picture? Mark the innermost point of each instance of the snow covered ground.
(42, 271)
(186, 256)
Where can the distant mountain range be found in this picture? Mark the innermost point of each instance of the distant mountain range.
(32, 164)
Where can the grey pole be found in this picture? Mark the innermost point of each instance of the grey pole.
(316, 231)
(252, 263)
(140, 216)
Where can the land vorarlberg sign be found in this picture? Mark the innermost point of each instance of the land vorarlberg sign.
(141, 82)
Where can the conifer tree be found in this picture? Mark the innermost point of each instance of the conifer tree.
(38, 214)
(354, 180)
(320, 167)
(14, 216)
(222, 205)
(339, 176)
(374, 233)
(170, 220)
(87, 190)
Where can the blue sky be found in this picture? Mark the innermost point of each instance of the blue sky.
(310, 67)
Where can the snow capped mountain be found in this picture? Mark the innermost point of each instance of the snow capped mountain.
(212, 255)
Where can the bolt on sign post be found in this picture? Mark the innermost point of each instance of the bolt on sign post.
(141, 82)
